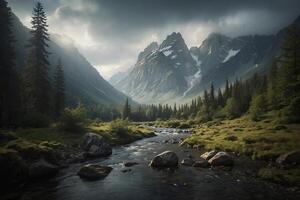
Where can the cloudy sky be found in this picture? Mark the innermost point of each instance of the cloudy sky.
(111, 33)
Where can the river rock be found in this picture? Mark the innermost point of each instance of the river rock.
(187, 162)
(208, 155)
(165, 159)
(42, 169)
(130, 164)
(13, 168)
(126, 170)
(95, 145)
(201, 163)
(292, 157)
(231, 138)
(94, 172)
(221, 159)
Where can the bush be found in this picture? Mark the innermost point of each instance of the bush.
(232, 109)
(73, 119)
(184, 126)
(120, 127)
(173, 124)
(258, 107)
(291, 114)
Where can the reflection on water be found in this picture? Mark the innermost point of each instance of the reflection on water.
(143, 182)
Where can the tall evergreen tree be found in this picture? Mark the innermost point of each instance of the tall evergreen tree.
(9, 93)
(212, 98)
(272, 95)
(59, 89)
(220, 98)
(37, 88)
(226, 91)
(126, 110)
(289, 79)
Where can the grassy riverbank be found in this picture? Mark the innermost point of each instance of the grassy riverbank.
(33, 141)
(263, 140)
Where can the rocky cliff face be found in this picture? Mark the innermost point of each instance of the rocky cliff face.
(161, 71)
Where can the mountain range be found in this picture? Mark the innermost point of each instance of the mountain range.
(170, 71)
(83, 82)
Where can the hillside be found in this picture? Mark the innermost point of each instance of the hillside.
(83, 82)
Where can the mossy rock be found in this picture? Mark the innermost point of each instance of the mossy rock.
(7, 137)
(13, 168)
(31, 151)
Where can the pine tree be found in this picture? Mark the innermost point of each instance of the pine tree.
(220, 98)
(272, 95)
(59, 89)
(37, 88)
(258, 107)
(9, 92)
(212, 99)
(226, 91)
(126, 110)
(289, 79)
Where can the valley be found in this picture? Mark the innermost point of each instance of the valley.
(149, 100)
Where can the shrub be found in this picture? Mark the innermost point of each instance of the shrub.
(184, 126)
(232, 108)
(258, 107)
(291, 114)
(173, 124)
(73, 119)
(120, 127)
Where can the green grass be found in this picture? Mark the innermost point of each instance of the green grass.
(121, 133)
(260, 140)
(263, 140)
(50, 136)
(286, 176)
(31, 144)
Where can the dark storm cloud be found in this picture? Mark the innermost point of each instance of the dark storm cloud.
(111, 31)
(131, 16)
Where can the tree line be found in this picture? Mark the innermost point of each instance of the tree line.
(31, 97)
(278, 90)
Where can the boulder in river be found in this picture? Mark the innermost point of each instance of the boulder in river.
(130, 164)
(95, 145)
(94, 172)
(165, 159)
(221, 159)
(187, 162)
(208, 155)
(42, 169)
(290, 158)
(202, 163)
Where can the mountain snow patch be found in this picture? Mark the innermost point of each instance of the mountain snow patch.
(231, 53)
(165, 48)
(168, 52)
(196, 58)
(192, 81)
(174, 56)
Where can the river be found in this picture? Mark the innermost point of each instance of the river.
(145, 183)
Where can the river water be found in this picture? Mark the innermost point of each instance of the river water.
(145, 183)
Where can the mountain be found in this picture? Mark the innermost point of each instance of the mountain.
(171, 72)
(224, 58)
(83, 82)
(162, 72)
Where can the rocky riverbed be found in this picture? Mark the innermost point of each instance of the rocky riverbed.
(126, 174)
